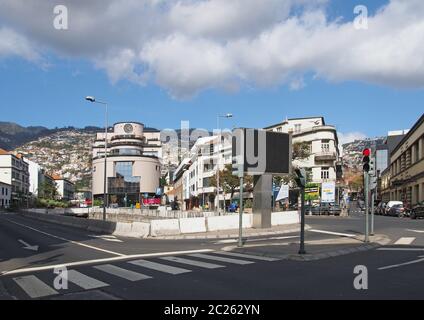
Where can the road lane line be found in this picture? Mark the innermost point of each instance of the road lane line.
(416, 231)
(34, 287)
(189, 262)
(405, 241)
(83, 281)
(400, 249)
(402, 264)
(67, 240)
(122, 273)
(159, 267)
(333, 233)
(222, 259)
(104, 260)
(247, 256)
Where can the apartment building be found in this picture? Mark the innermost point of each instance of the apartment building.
(65, 188)
(14, 172)
(193, 177)
(407, 167)
(38, 179)
(323, 164)
(133, 165)
(5, 195)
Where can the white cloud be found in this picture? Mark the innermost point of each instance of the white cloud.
(187, 46)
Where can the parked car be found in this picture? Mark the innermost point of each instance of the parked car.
(417, 211)
(335, 210)
(396, 210)
(381, 208)
(390, 204)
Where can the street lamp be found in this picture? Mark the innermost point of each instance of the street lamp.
(93, 100)
(218, 191)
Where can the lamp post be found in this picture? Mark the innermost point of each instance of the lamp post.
(218, 191)
(93, 100)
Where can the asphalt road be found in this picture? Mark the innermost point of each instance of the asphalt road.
(105, 267)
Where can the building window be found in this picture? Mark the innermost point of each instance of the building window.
(325, 173)
(297, 128)
(325, 146)
(280, 129)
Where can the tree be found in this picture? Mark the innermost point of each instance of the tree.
(47, 190)
(230, 183)
(300, 151)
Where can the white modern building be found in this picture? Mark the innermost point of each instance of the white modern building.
(38, 177)
(5, 195)
(194, 174)
(65, 188)
(323, 162)
(14, 172)
(133, 165)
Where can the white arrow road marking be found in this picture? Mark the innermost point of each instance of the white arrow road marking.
(405, 241)
(67, 240)
(417, 231)
(403, 264)
(333, 233)
(27, 246)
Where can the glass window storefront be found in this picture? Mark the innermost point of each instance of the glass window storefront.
(124, 188)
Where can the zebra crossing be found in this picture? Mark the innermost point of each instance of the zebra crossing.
(34, 287)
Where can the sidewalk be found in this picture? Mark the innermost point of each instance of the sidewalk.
(315, 250)
(247, 233)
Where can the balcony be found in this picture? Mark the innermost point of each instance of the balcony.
(325, 156)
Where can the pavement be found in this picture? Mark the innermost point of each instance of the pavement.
(247, 233)
(267, 267)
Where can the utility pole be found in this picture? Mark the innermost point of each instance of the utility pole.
(301, 182)
(366, 179)
(241, 209)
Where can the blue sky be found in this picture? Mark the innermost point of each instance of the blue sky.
(52, 94)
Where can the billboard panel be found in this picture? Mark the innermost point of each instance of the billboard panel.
(257, 152)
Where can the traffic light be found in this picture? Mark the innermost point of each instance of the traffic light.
(300, 177)
(366, 160)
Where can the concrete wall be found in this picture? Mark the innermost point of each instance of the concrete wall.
(160, 227)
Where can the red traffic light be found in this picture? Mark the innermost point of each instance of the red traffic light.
(366, 152)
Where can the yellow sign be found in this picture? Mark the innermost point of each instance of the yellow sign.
(137, 205)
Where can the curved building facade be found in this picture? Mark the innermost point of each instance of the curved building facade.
(133, 165)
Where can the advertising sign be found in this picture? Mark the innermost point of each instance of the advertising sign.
(328, 192)
(283, 193)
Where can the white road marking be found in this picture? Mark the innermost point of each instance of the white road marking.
(159, 267)
(83, 281)
(34, 287)
(403, 264)
(122, 273)
(405, 241)
(247, 256)
(27, 246)
(193, 263)
(67, 240)
(333, 233)
(222, 259)
(416, 231)
(105, 260)
(400, 249)
(108, 238)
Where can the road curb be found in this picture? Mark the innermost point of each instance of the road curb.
(228, 236)
(380, 241)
